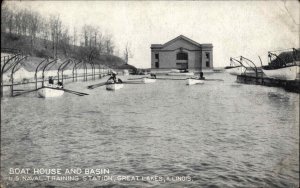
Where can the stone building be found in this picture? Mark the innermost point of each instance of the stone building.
(182, 53)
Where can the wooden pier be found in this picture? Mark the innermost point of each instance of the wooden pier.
(260, 79)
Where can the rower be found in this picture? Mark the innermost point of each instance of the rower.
(201, 76)
(119, 80)
(153, 75)
(60, 84)
(113, 77)
(50, 80)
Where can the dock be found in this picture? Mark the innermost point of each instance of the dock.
(261, 79)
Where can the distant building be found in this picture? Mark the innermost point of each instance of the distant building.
(182, 53)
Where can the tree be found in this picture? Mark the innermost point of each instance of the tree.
(5, 12)
(54, 36)
(55, 30)
(65, 42)
(18, 22)
(45, 29)
(34, 22)
(127, 53)
(109, 45)
(74, 36)
(25, 21)
(10, 22)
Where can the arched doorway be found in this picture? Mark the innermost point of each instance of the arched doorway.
(182, 60)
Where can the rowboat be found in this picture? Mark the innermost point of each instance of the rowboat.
(191, 81)
(180, 74)
(235, 70)
(282, 73)
(175, 70)
(114, 86)
(50, 91)
(125, 72)
(283, 66)
(148, 80)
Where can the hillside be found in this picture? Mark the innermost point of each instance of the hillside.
(44, 48)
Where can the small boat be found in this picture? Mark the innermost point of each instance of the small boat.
(125, 72)
(180, 74)
(114, 86)
(235, 70)
(192, 81)
(283, 66)
(148, 80)
(281, 73)
(51, 91)
(175, 70)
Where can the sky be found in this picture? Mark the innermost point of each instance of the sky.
(248, 28)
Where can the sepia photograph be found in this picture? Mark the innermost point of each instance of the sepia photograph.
(136, 93)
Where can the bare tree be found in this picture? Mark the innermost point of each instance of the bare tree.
(34, 22)
(25, 21)
(55, 28)
(86, 30)
(45, 30)
(10, 22)
(5, 12)
(65, 42)
(74, 36)
(18, 22)
(52, 32)
(127, 53)
(109, 45)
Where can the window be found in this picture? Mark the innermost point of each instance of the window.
(182, 56)
(207, 63)
(156, 64)
(207, 55)
(156, 56)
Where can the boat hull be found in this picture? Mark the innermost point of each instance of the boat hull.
(236, 70)
(194, 81)
(113, 87)
(148, 80)
(285, 73)
(180, 74)
(49, 92)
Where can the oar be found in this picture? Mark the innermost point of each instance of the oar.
(136, 78)
(75, 92)
(97, 85)
(213, 80)
(132, 82)
(171, 78)
(69, 91)
(207, 79)
(25, 92)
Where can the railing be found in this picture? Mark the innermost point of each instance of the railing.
(15, 61)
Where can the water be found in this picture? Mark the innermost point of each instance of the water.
(220, 134)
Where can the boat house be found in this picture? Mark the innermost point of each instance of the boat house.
(182, 53)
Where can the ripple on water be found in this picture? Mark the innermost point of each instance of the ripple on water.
(221, 134)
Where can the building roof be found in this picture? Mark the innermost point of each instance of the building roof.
(156, 46)
(178, 38)
(181, 37)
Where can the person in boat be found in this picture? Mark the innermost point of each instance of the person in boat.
(201, 76)
(51, 80)
(113, 78)
(60, 84)
(153, 76)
